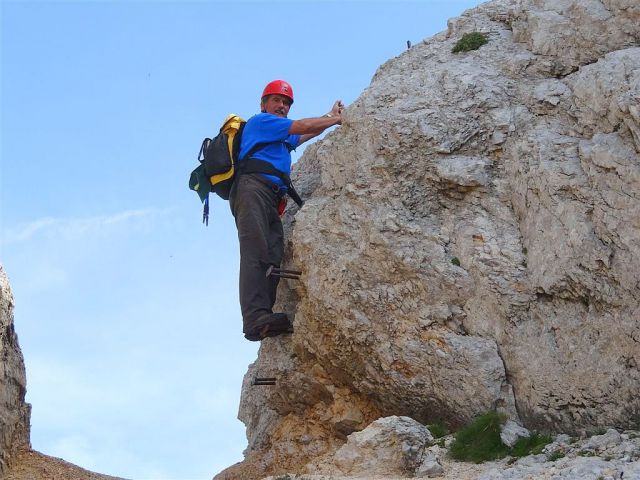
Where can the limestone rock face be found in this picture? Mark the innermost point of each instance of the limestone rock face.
(14, 412)
(470, 240)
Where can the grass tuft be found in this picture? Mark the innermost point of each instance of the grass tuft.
(470, 41)
(531, 445)
(480, 440)
(455, 261)
(557, 455)
(438, 430)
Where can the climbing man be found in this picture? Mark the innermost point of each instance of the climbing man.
(257, 201)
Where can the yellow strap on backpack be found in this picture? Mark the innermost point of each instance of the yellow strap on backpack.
(230, 126)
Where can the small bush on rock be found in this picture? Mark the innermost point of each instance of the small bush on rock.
(470, 41)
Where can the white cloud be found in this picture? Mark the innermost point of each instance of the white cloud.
(77, 227)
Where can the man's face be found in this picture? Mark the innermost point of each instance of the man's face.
(277, 105)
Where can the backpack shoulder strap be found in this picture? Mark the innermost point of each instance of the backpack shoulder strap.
(203, 148)
(256, 147)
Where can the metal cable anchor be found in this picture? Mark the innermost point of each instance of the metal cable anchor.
(283, 273)
(264, 381)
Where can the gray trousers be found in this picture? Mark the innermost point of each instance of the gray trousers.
(254, 206)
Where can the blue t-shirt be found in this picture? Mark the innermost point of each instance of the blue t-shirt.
(266, 127)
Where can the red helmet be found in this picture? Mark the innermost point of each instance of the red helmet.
(278, 87)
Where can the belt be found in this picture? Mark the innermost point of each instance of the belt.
(254, 165)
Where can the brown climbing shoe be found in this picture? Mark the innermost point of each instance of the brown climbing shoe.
(270, 325)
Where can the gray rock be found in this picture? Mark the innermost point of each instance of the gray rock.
(14, 411)
(430, 466)
(464, 171)
(389, 446)
(510, 432)
(600, 442)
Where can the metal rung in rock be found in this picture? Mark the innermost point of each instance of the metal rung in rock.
(282, 273)
(264, 381)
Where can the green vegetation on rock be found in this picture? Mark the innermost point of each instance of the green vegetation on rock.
(470, 41)
(480, 441)
(531, 445)
(438, 430)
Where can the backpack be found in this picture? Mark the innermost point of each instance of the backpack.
(218, 159)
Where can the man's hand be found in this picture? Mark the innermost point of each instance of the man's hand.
(308, 128)
(336, 111)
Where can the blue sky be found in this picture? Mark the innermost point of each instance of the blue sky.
(126, 305)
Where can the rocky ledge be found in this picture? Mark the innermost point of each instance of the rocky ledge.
(401, 448)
